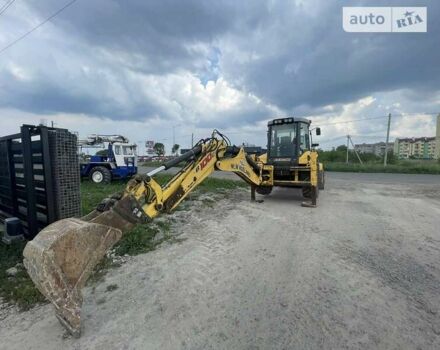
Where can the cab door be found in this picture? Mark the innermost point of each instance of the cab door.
(304, 138)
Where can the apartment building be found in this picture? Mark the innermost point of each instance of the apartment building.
(420, 147)
(437, 144)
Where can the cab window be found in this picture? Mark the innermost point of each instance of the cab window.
(128, 150)
(117, 150)
(283, 141)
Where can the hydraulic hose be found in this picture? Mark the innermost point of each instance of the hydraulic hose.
(253, 164)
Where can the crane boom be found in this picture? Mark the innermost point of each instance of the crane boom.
(95, 139)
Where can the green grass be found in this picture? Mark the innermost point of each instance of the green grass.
(21, 291)
(404, 167)
(140, 240)
(152, 163)
(92, 194)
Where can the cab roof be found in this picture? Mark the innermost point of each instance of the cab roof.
(288, 120)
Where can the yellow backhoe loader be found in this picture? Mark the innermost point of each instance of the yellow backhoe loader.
(63, 255)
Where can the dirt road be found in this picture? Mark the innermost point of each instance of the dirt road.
(362, 271)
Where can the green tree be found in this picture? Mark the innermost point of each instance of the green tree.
(175, 148)
(392, 158)
(159, 149)
(102, 153)
(341, 148)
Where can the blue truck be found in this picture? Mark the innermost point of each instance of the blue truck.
(118, 159)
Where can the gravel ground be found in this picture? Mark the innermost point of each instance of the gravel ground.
(361, 271)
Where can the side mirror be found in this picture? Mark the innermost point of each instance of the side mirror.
(315, 144)
(318, 131)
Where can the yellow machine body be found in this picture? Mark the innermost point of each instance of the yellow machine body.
(63, 255)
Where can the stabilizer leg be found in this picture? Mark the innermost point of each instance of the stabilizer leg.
(313, 198)
(253, 187)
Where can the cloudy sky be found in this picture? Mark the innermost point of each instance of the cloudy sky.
(140, 68)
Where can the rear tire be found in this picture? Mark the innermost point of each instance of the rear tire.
(264, 190)
(100, 175)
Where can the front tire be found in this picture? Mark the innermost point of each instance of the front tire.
(100, 175)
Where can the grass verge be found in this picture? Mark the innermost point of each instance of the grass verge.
(17, 289)
(20, 290)
(403, 167)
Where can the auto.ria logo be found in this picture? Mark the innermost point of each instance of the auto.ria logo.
(385, 19)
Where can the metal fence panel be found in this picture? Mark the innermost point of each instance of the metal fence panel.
(39, 177)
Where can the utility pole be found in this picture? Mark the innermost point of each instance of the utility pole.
(192, 140)
(385, 158)
(354, 148)
(174, 134)
(346, 159)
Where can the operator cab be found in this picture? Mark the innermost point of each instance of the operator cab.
(288, 139)
(125, 154)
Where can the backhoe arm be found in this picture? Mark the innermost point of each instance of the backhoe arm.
(61, 257)
(209, 156)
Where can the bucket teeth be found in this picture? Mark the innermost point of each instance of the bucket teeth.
(60, 260)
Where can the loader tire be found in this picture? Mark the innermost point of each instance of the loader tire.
(100, 175)
(321, 180)
(264, 190)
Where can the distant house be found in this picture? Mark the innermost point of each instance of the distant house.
(374, 148)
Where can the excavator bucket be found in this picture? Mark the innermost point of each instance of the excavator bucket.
(62, 256)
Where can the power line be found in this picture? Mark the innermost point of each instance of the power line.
(247, 132)
(6, 6)
(381, 117)
(37, 26)
(351, 121)
(415, 113)
(333, 139)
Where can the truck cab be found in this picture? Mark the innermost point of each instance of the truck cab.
(124, 155)
(118, 162)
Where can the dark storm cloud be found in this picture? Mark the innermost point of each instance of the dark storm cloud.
(316, 63)
(291, 54)
(114, 39)
(161, 36)
(54, 89)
